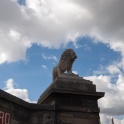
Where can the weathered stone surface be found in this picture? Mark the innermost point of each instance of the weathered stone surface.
(70, 85)
(68, 100)
(21, 112)
(65, 63)
(74, 98)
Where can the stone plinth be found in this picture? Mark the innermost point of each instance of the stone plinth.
(68, 100)
(75, 100)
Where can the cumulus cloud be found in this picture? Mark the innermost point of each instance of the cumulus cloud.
(113, 69)
(113, 101)
(21, 93)
(12, 46)
(55, 23)
(109, 79)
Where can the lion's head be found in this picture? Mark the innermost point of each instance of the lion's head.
(67, 58)
(69, 55)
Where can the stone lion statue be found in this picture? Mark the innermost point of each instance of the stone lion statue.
(65, 63)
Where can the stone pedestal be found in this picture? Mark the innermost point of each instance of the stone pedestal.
(75, 100)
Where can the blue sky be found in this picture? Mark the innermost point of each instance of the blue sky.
(33, 34)
(35, 73)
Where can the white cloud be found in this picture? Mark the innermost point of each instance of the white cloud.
(21, 93)
(113, 101)
(44, 67)
(12, 46)
(107, 119)
(75, 72)
(104, 119)
(49, 57)
(113, 69)
(3, 58)
(54, 23)
(111, 82)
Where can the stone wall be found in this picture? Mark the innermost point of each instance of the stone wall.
(16, 111)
